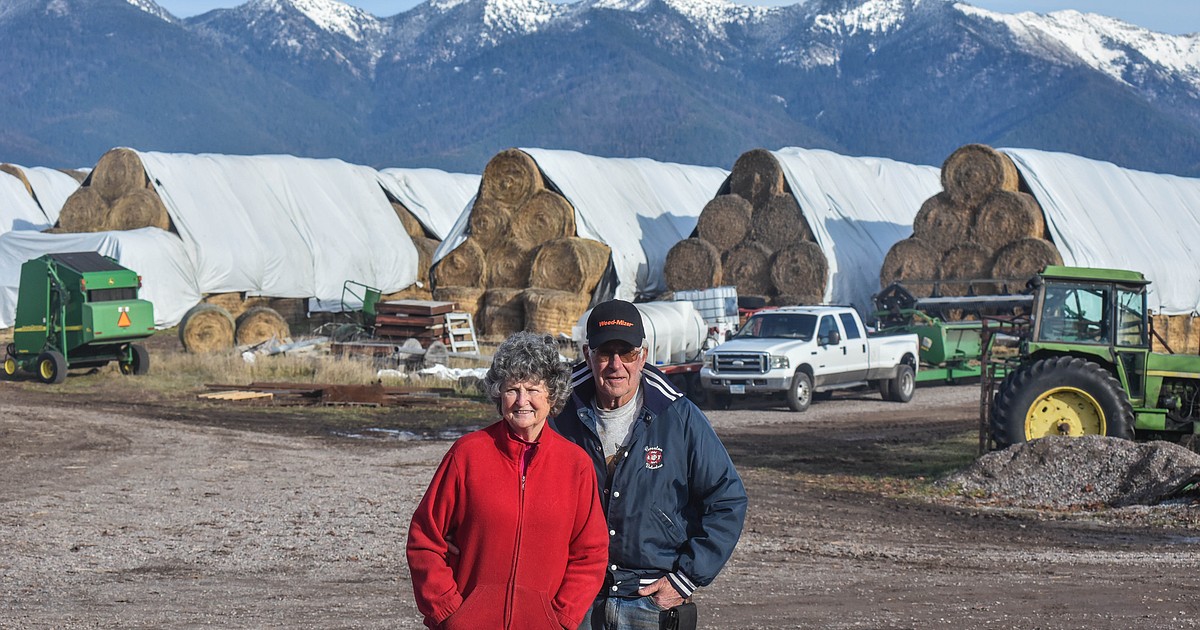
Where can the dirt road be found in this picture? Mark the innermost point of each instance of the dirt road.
(155, 516)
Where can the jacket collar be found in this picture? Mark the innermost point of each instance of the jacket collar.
(657, 391)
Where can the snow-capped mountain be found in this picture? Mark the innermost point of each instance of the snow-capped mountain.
(450, 82)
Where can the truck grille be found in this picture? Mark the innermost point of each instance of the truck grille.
(741, 363)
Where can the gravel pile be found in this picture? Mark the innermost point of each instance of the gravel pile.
(1083, 472)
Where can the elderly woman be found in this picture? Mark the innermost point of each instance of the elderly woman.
(510, 533)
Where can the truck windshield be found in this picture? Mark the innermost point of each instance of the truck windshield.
(780, 325)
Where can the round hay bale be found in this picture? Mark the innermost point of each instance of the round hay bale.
(503, 312)
(966, 261)
(748, 266)
(1020, 260)
(118, 173)
(466, 299)
(259, 324)
(510, 177)
(464, 266)
(425, 249)
(975, 171)
(725, 221)
(692, 263)
(552, 311)
(547, 215)
(570, 264)
(509, 267)
(488, 223)
(138, 209)
(779, 224)
(16, 171)
(84, 211)
(913, 262)
(756, 177)
(1005, 217)
(941, 223)
(410, 223)
(206, 328)
(800, 270)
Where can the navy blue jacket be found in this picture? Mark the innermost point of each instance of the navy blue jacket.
(676, 505)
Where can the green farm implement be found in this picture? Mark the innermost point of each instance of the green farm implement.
(77, 310)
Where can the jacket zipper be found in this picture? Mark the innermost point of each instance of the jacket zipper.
(512, 576)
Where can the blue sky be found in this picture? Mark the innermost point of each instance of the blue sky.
(1168, 16)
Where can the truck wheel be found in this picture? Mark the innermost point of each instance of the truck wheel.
(885, 389)
(800, 393)
(139, 363)
(1060, 396)
(52, 367)
(900, 388)
(10, 367)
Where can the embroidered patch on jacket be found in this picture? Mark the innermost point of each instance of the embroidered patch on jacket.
(654, 457)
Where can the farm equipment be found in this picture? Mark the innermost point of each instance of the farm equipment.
(77, 310)
(1085, 366)
(949, 327)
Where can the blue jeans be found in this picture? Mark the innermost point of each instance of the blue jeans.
(619, 613)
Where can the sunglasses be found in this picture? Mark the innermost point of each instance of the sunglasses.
(606, 356)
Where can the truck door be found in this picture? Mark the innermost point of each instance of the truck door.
(831, 358)
(854, 346)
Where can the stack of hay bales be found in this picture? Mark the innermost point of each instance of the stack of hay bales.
(425, 244)
(981, 227)
(521, 267)
(753, 236)
(117, 195)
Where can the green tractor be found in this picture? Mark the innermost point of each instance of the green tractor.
(1085, 365)
(78, 309)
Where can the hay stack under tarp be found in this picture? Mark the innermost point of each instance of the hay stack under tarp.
(84, 211)
(488, 222)
(503, 312)
(1179, 333)
(118, 172)
(725, 221)
(756, 177)
(19, 173)
(779, 223)
(912, 262)
(964, 262)
(509, 267)
(1005, 217)
(259, 324)
(552, 311)
(693, 263)
(749, 266)
(569, 264)
(206, 328)
(1022, 259)
(800, 271)
(941, 223)
(425, 248)
(975, 171)
(411, 224)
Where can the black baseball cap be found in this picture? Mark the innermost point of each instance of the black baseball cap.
(615, 320)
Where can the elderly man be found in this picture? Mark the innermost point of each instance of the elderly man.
(673, 501)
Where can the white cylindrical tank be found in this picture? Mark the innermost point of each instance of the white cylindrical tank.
(675, 331)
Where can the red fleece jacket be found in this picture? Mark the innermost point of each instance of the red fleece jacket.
(531, 553)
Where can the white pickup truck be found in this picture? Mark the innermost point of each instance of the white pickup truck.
(807, 351)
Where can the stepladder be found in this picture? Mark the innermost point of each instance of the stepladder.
(460, 333)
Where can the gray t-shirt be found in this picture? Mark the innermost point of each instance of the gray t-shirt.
(613, 425)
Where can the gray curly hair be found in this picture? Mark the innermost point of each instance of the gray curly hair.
(527, 356)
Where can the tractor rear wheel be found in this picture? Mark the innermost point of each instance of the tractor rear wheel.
(1067, 396)
(139, 361)
(52, 367)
